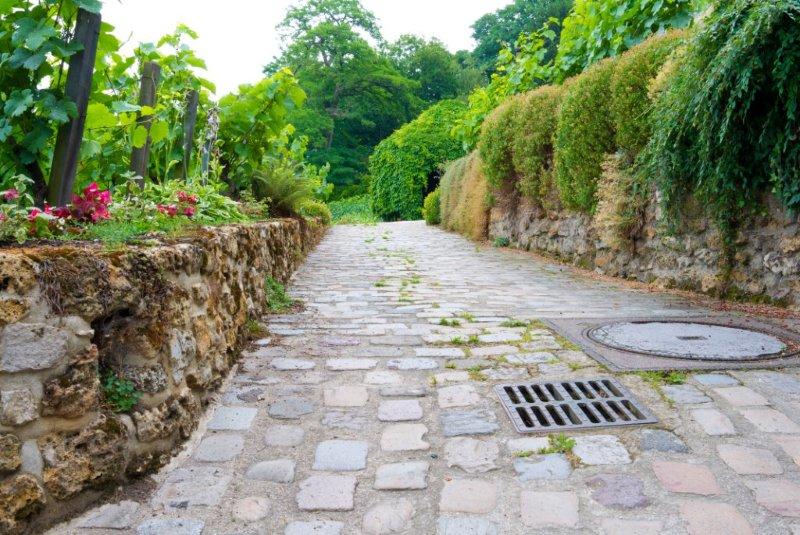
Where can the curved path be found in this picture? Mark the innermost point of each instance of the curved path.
(362, 414)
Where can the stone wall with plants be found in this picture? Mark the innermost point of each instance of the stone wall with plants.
(108, 355)
(766, 264)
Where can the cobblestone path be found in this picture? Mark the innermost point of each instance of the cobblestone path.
(363, 414)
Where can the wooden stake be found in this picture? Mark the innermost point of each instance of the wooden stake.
(189, 122)
(70, 134)
(140, 157)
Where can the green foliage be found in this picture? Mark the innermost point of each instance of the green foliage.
(658, 379)
(316, 209)
(584, 136)
(120, 394)
(405, 165)
(277, 299)
(630, 86)
(494, 145)
(597, 29)
(464, 192)
(532, 145)
(501, 241)
(431, 208)
(726, 126)
(254, 126)
(283, 190)
(519, 69)
(356, 96)
(559, 443)
(494, 30)
(355, 210)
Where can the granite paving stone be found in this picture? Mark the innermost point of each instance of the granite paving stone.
(110, 516)
(768, 420)
(219, 448)
(552, 466)
(341, 455)
(350, 364)
(595, 450)
(715, 379)
(284, 435)
(685, 394)
(173, 526)
(749, 461)
(686, 478)
(287, 364)
(410, 475)
(541, 510)
(474, 496)
(662, 441)
(618, 491)
(468, 422)
(465, 526)
(399, 410)
(412, 364)
(314, 527)
(232, 419)
(471, 455)
(346, 396)
(713, 422)
(778, 496)
(388, 517)
(327, 493)
(457, 396)
(278, 471)
(291, 408)
(741, 396)
(713, 518)
(251, 509)
(790, 445)
(404, 437)
(616, 526)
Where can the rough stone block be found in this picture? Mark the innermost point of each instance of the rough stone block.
(541, 510)
(475, 496)
(473, 422)
(471, 455)
(341, 455)
(741, 396)
(404, 437)
(457, 396)
(173, 526)
(545, 467)
(346, 396)
(110, 516)
(749, 461)
(713, 422)
(327, 493)
(399, 410)
(686, 478)
(18, 406)
(402, 476)
(596, 450)
(618, 491)
(277, 471)
(769, 420)
(388, 517)
(31, 346)
(284, 436)
(779, 496)
(291, 408)
(232, 419)
(316, 527)
(465, 526)
(709, 518)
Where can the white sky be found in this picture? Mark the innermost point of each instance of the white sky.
(237, 37)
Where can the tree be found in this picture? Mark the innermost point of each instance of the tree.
(495, 30)
(356, 97)
(439, 73)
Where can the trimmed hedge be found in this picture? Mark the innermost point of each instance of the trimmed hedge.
(532, 145)
(494, 144)
(431, 207)
(585, 135)
(464, 196)
(630, 84)
(404, 164)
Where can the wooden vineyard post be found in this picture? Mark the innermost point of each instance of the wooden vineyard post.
(79, 85)
(140, 156)
(189, 122)
(211, 137)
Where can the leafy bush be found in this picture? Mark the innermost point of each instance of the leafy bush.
(494, 145)
(621, 201)
(405, 165)
(313, 208)
(630, 85)
(585, 134)
(597, 29)
(120, 394)
(431, 207)
(282, 189)
(532, 143)
(726, 127)
(353, 211)
(464, 193)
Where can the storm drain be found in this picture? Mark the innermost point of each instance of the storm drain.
(553, 406)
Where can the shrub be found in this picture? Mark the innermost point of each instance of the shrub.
(120, 394)
(495, 142)
(532, 144)
(431, 207)
(313, 208)
(630, 84)
(621, 200)
(726, 127)
(584, 136)
(277, 298)
(405, 165)
(353, 211)
(284, 191)
(464, 194)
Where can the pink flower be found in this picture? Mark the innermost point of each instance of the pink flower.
(168, 209)
(62, 212)
(185, 197)
(10, 194)
(2, 216)
(189, 211)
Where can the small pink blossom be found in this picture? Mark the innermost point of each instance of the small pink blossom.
(189, 211)
(168, 209)
(10, 194)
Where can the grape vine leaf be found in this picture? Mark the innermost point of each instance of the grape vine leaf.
(139, 137)
(93, 6)
(18, 102)
(159, 131)
(98, 116)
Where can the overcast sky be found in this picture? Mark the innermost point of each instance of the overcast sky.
(237, 37)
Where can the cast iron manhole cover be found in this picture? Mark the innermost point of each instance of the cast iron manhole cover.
(686, 340)
(552, 406)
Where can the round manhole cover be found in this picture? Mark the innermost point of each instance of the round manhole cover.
(697, 341)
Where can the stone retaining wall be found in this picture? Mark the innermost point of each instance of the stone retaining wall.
(169, 317)
(767, 251)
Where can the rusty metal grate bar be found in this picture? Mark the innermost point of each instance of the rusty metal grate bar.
(550, 406)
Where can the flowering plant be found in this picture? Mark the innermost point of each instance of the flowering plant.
(186, 205)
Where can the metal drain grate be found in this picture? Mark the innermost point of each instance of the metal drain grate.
(556, 405)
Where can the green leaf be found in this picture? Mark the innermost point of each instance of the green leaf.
(5, 130)
(139, 137)
(98, 116)
(93, 6)
(6, 6)
(120, 106)
(18, 102)
(159, 131)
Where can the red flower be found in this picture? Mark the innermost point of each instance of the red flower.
(189, 211)
(62, 212)
(91, 206)
(185, 197)
(10, 194)
(168, 209)
(2, 216)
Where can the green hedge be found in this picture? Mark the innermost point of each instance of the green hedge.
(532, 145)
(585, 135)
(404, 163)
(431, 207)
(495, 141)
(630, 84)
